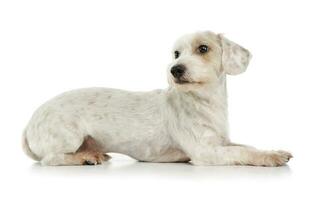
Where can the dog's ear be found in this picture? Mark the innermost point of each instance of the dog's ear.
(235, 58)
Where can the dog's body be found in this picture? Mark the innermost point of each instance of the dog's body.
(187, 121)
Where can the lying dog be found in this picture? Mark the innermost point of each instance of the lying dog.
(186, 122)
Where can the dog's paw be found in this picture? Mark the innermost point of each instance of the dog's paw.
(276, 158)
(95, 158)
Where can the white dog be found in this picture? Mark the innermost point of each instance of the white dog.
(186, 122)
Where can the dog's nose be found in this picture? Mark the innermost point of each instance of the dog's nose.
(178, 70)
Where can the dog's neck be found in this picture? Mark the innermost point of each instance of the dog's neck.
(209, 102)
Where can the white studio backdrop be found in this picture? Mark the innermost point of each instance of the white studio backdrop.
(48, 47)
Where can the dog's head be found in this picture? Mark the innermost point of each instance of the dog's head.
(202, 58)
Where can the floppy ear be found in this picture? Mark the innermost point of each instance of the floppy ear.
(235, 58)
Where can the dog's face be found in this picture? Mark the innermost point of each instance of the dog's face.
(200, 60)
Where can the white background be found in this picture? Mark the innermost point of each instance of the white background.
(48, 47)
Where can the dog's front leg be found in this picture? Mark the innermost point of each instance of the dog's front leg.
(237, 155)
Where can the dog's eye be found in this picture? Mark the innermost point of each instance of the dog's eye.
(203, 49)
(176, 54)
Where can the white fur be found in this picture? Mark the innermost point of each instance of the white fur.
(181, 123)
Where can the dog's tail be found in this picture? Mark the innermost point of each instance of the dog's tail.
(26, 147)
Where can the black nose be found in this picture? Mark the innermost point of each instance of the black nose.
(178, 70)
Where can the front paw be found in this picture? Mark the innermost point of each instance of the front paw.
(276, 158)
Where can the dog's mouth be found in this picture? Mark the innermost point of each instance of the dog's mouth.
(182, 81)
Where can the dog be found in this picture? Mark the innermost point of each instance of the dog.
(187, 122)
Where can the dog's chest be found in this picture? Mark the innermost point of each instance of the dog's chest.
(203, 121)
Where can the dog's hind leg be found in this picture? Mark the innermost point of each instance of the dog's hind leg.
(89, 153)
